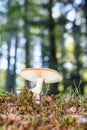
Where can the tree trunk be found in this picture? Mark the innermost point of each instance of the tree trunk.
(52, 48)
(8, 81)
(27, 46)
(77, 53)
(11, 70)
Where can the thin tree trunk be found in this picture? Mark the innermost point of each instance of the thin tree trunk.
(11, 70)
(62, 56)
(8, 66)
(52, 48)
(52, 58)
(14, 67)
(85, 49)
(77, 53)
(27, 46)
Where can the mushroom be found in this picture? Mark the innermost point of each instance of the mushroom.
(40, 75)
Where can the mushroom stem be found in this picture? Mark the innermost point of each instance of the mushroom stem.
(37, 90)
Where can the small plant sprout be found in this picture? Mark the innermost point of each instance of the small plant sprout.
(40, 76)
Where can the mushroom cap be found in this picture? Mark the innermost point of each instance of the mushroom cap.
(48, 75)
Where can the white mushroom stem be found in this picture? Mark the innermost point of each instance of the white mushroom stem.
(37, 90)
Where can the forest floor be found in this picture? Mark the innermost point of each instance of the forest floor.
(60, 112)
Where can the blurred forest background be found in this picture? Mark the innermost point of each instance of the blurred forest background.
(43, 33)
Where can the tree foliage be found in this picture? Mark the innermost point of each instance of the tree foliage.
(44, 34)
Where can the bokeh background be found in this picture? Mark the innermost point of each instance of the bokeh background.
(43, 33)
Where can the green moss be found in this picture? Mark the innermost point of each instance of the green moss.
(51, 112)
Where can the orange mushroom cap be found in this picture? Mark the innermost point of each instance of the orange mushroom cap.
(48, 75)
